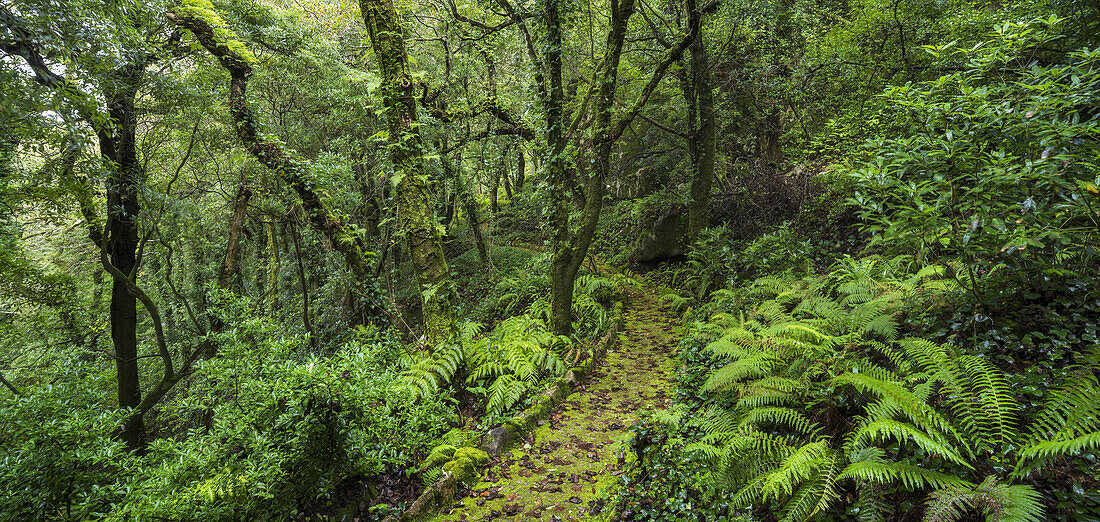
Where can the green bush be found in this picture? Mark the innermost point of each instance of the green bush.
(998, 166)
(62, 459)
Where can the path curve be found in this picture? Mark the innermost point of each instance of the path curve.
(555, 473)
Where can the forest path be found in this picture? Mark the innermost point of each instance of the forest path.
(556, 471)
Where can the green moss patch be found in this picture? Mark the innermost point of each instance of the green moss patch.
(562, 467)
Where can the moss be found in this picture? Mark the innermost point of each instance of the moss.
(224, 36)
(567, 464)
(464, 470)
(477, 456)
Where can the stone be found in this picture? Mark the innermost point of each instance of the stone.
(663, 239)
(496, 441)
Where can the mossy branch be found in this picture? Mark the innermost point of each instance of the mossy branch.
(199, 17)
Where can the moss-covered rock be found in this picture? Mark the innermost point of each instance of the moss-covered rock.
(477, 456)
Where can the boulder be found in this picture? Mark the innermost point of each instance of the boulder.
(496, 440)
(662, 239)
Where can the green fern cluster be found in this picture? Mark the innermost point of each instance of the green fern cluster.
(509, 363)
(975, 422)
(930, 417)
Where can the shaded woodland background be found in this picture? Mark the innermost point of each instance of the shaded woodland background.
(255, 254)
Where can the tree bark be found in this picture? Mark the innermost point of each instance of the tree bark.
(703, 139)
(199, 17)
(521, 168)
(571, 249)
(473, 219)
(271, 290)
(417, 214)
(118, 146)
(306, 319)
(233, 244)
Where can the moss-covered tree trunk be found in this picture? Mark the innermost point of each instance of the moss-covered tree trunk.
(415, 209)
(210, 30)
(271, 285)
(233, 243)
(570, 249)
(703, 140)
(561, 275)
(521, 167)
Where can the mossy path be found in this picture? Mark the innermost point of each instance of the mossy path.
(555, 473)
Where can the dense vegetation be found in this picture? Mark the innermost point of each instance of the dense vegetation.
(263, 259)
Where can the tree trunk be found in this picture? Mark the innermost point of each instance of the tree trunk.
(521, 168)
(417, 218)
(306, 319)
(236, 59)
(571, 249)
(271, 290)
(449, 206)
(771, 127)
(119, 148)
(472, 217)
(503, 168)
(561, 296)
(494, 189)
(703, 138)
(233, 247)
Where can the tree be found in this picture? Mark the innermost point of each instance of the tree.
(417, 213)
(210, 30)
(115, 127)
(702, 139)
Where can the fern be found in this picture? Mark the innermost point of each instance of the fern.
(433, 372)
(808, 338)
(996, 501)
(911, 477)
(505, 392)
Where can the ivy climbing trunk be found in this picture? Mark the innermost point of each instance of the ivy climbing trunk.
(415, 209)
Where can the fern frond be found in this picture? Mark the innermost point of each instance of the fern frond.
(999, 502)
(1039, 453)
(1073, 409)
(911, 477)
(779, 417)
(795, 469)
(881, 430)
(871, 505)
(988, 404)
(504, 393)
(753, 366)
(919, 412)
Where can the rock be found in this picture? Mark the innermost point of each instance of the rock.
(464, 470)
(663, 239)
(572, 377)
(496, 441)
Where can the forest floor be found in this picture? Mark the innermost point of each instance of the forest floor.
(559, 469)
